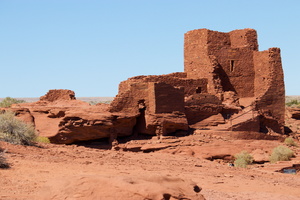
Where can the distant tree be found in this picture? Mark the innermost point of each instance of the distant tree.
(8, 101)
(292, 103)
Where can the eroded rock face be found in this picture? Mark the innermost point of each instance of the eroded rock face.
(67, 120)
(293, 112)
(82, 126)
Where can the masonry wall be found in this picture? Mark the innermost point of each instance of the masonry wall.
(191, 86)
(244, 38)
(269, 86)
(128, 101)
(157, 97)
(233, 53)
(231, 62)
(197, 62)
(165, 98)
(237, 70)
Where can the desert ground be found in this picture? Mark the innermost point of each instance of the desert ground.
(171, 168)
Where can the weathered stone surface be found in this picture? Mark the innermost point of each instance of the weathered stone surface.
(293, 112)
(82, 126)
(213, 120)
(160, 107)
(68, 121)
(231, 62)
(260, 156)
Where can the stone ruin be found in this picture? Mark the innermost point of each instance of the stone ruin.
(227, 84)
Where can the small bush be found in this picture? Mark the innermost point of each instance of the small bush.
(42, 139)
(281, 153)
(3, 162)
(8, 101)
(290, 141)
(293, 102)
(243, 159)
(15, 131)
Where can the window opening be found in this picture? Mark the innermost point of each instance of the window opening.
(231, 68)
(198, 90)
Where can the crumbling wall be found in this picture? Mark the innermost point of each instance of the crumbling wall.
(128, 101)
(54, 95)
(197, 61)
(244, 38)
(233, 53)
(231, 62)
(191, 86)
(160, 106)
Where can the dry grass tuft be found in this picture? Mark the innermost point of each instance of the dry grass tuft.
(281, 153)
(243, 159)
(15, 131)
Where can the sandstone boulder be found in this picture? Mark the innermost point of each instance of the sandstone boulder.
(82, 126)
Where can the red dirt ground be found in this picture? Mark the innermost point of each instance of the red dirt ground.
(80, 172)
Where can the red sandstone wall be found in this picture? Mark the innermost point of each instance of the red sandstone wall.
(128, 101)
(174, 79)
(125, 85)
(262, 72)
(237, 72)
(197, 62)
(157, 97)
(234, 56)
(244, 38)
(269, 85)
(165, 98)
(216, 41)
(231, 62)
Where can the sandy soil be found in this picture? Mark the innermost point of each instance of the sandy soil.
(175, 170)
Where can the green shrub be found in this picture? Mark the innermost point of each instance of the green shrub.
(42, 139)
(290, 141)
(293, 103)
(243, 159)
(15, 131)
(8, 101)
(3, 162)
(281, 153)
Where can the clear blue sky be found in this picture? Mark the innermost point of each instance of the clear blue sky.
(90, 46)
